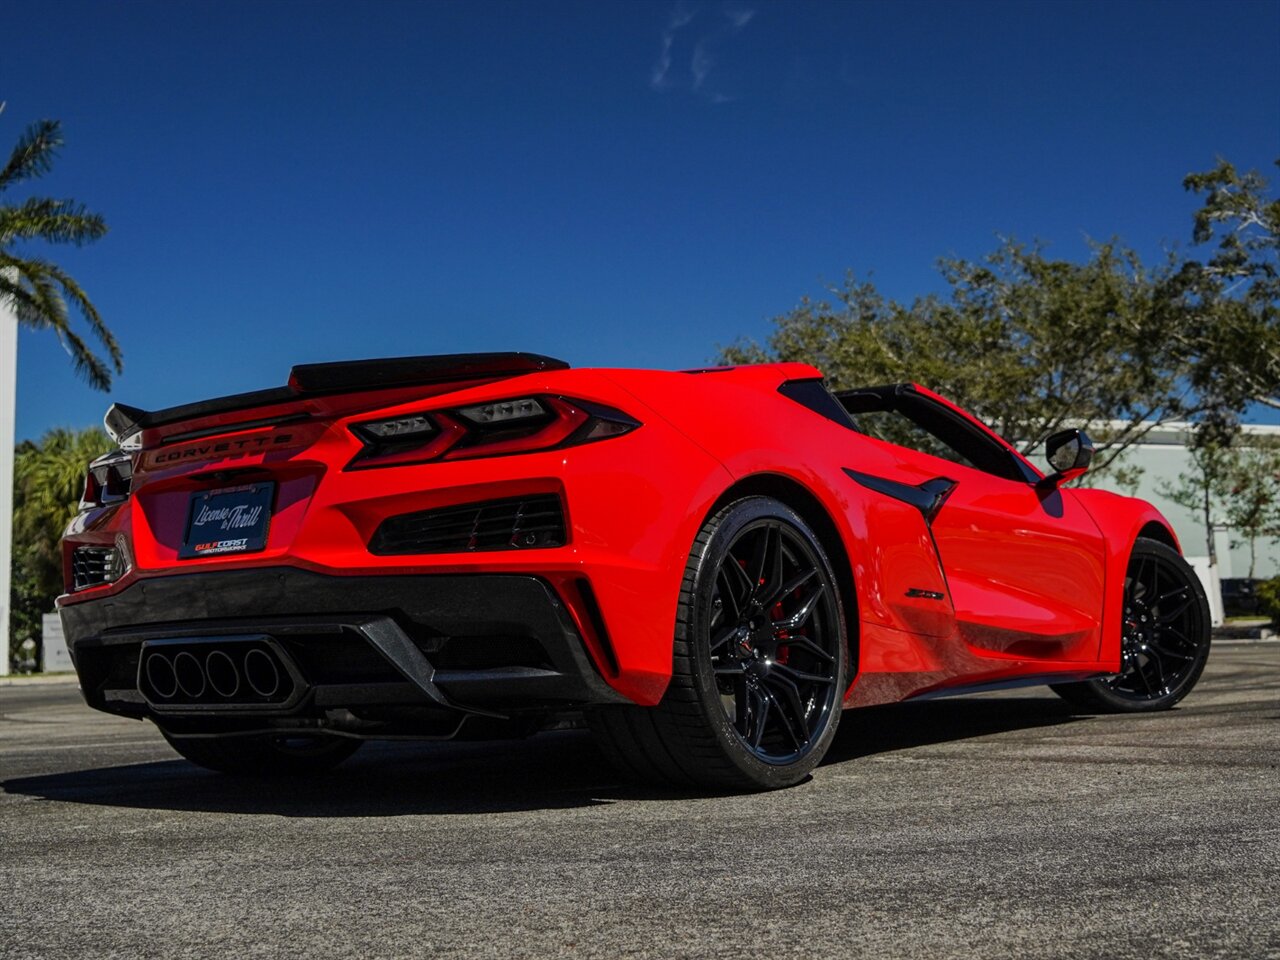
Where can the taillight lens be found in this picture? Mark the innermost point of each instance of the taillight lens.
(108, 480)
(521, 425)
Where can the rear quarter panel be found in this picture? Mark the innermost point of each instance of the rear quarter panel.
(740, 418)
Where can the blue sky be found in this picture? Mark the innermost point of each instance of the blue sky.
(624, 184)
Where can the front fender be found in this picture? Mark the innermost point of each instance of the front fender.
(1122, 520)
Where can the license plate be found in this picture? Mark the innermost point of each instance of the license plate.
(232, 520)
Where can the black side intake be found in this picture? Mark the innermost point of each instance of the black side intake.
(93, 566)
(517, 523)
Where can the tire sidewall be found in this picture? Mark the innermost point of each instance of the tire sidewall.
(704, 563)
(1154, 548)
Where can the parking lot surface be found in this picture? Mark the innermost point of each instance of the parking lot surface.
(992, 826)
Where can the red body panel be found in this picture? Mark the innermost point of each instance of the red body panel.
(1007, 583)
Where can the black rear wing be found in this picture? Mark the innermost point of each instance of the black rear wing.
(346, 376)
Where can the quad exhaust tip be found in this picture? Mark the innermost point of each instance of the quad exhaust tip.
(261, 673)
(244, 673)
(223, 674)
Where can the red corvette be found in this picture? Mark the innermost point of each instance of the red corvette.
(708, 565)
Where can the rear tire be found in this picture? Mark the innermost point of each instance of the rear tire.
(265, 756)
(1165, 640)
(760, 661)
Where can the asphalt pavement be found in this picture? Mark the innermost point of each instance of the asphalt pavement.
(992, 826)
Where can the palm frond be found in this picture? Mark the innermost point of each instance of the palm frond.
(45, 309)
(18, 295)
(87, 363)
(73, 292)
(34, 153)
(39, 297)
(54, 221)
(37, 290)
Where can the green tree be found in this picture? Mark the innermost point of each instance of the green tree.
(1198, 488)
(48, 479)
(43, 294)
(1233, 297)
(1250, 491)
(1031, 343)
(1236, 488)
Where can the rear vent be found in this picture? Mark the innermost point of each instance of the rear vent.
(520, 523)
(94, 566)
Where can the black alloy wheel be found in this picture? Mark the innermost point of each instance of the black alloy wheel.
(1164, 641)
(774, 644)
(760, 662)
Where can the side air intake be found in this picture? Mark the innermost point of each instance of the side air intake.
(517, 523)
(94, 566)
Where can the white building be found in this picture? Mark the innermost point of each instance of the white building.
(1162, 456)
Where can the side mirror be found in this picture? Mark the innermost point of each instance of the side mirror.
(1069, 452)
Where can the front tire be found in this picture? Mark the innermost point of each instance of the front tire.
(1165, 640)
(265, 756)
(760, 661)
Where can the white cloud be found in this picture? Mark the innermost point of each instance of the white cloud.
(659, 75)
(701, 64)
(702, 60)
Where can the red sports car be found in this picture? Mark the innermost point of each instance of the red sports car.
(709, 565)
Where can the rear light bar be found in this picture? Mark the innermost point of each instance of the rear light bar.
(108, 480)
(519, 425)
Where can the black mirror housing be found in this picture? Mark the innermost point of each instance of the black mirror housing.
(1069, 453)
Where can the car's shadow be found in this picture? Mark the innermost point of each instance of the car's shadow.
(549, 771)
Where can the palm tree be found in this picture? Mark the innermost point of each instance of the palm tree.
(39, 291)
(48, 480)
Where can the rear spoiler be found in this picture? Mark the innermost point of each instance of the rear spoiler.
(347, 376)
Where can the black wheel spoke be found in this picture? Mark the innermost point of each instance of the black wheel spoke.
(802, 613)
(1142, 675)
(773, 573)
(788, 710)
(742, 707)
(804, 643)
(723, 637)
(1153, 659)
(1182, 637)
(737, 578)
(762, 701)
(803, 676)
(1175, 613)
(1166, 652)
(758, 564)
(791, 586)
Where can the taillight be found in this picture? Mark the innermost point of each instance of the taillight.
(520, 425)
(108, 480)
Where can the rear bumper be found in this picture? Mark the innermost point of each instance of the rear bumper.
(470, 644)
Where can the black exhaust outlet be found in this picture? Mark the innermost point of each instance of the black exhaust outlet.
(218, 674)
(223, 674)
(261, 673)
(160, 676)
